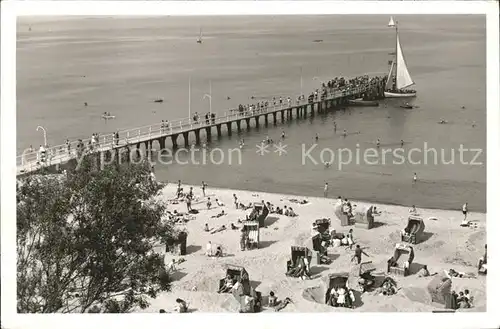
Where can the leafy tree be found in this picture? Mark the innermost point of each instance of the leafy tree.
(85, 240)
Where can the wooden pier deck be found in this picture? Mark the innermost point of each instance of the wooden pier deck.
(147, 135)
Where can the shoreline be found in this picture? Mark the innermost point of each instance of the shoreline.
(332, 198)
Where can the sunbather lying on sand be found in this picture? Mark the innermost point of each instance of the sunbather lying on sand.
(452, 273)
(283, 304)
(243, 207)
(220, 204)
(298, 201)
(220, 229)
(222, 213)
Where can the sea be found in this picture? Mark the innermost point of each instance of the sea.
(122, 64)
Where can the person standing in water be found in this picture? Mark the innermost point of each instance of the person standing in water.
(402, 143)
(345, 133)
(414, 178)
(334, 126)
(325, 190)
(316, 138)
(378, 142)
(282, 134)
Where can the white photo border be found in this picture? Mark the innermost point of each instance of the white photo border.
(10, 10)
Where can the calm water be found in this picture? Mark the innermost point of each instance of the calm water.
(122, 64)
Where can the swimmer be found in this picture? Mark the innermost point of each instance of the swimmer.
(317, 138)
(378, 142)
(327, 164)
(473, 124)
(85, 104)
(402, 143)
(345, 133)
(442, 122)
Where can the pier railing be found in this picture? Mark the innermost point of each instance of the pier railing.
(30, 160)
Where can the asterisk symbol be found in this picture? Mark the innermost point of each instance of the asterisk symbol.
(280, 148)
(262, 149)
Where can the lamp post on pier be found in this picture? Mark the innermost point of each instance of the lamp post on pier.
(209, 96)
(44, 135)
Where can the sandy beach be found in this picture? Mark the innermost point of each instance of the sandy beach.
(446, 245)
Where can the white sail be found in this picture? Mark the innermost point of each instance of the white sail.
(391, 23)
(388, 84)
(403, 78)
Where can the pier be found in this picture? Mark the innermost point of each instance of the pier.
(130, 140)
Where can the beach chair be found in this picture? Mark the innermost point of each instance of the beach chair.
(297, 252)
(344, 219)
(439, 289)
(259, 213)
(335, 281)
(252, 228)
(402, 254)
(237, 273)
(414, 230)
(364, 219)
(323, 227)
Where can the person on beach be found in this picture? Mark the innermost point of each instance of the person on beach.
(209, 248)
(188, 203)
(283, 304)
(206, 229)
(220, 204)
(413, 211)
(350, 239)
(203, 187)
(272, 299)
(209, 203)
(465, 210)
(235, 200)
(325, 190)
(358, 252)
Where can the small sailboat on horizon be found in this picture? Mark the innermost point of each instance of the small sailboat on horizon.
(200, 40)
(391, 23)
(399, 77)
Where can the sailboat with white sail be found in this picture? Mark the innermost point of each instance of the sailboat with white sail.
(200, 40)
(399, 78)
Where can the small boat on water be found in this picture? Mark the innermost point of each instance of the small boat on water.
(399, 77)
(107, 117)
(159, 100)
(362, 102)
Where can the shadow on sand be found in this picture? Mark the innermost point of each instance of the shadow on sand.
(378, 224)
(178, 275)
(270, 220)
(192, 249)
(426, 236)
(414, 268)
(265, 244)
